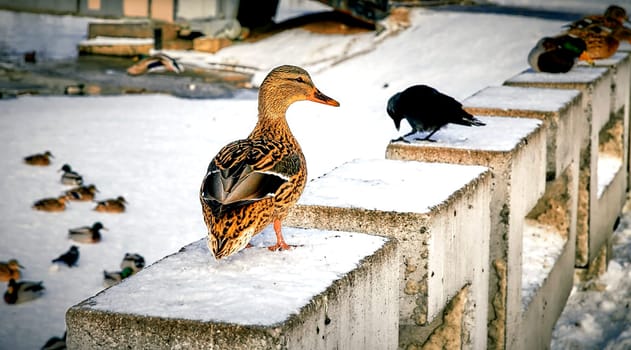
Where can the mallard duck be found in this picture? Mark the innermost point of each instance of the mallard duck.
(23, 291)
(602, 33)
(556, 54)
(112, 277)
(427, 110)
(10, 270)
(82, 193)
(134, 261)
(116, 205)
(613, 17)
(51, 204)
(87, 234)
(70, 177)
(69, 258)
(253, 182)
(55, 343)
(159, 62)
(41, 159)
(602, 42)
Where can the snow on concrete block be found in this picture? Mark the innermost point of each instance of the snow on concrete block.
(547, 282)
(333, 290)
(561, 111)
(594, 83)
(620, 64)
(515, 150)
(429, 208)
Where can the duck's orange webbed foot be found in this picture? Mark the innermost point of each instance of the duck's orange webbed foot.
(586, 57)
(280, 241)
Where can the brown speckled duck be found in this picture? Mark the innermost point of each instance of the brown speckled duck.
(254, 181)
(41, 159)
(82, 193)
(602, 33)
(51, 204)
(116, 205)
(10, 270)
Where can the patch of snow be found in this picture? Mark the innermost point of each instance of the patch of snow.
(521, 98)
(578, 75)
(252, 287)
(500, 134)
(541, 249)
(608, 168)
(597, 314)
(389, 185)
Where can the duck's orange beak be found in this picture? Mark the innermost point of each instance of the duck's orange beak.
(322, 98)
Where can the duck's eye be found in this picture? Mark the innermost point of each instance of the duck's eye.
(300, 80)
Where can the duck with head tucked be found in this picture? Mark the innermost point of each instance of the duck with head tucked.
(82, 193)
(41, 159)
(10, 270)
(253, 182)
(51, 204)
(114, 205)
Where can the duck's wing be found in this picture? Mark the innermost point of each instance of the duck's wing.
(32, 286)
(247, 170)
(80, 230)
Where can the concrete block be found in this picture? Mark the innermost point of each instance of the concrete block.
(211, 45)
(334, 290)
(594, 83)
(515, 151)
(560, 110)
(620, 66)
(127, 29)
(596, 87)
(116, 46)
(429, 209)
(548, 261)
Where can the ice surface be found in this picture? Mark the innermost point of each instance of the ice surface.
(389, 185)
(253, 287)
(521, 98)
(500, 134)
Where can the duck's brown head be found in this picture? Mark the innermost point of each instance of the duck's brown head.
(616, 12)
(287, 84)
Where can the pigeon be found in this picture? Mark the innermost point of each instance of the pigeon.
(427, 110)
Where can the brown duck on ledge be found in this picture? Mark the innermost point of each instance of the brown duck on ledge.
(254, 181)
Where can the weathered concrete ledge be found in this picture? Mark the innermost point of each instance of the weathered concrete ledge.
(429, 208)
(515, 151)
(595, 83)
(560, 110)
(334, 290)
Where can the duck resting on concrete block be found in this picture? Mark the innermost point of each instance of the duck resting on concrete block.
(253, 182)
(556, 54)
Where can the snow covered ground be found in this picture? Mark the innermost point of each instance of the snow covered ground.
(154, 150)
